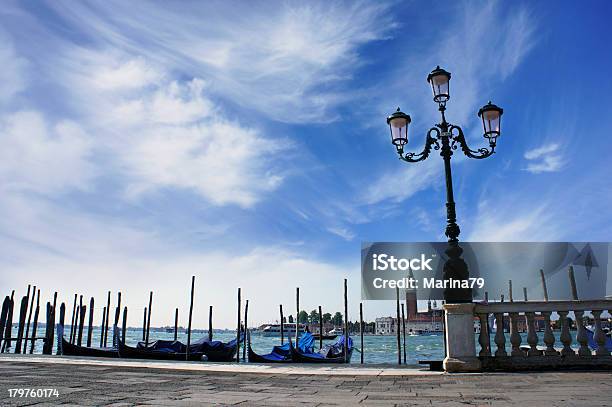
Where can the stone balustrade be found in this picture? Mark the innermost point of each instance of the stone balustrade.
(549, 354)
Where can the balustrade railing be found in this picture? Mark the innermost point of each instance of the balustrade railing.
(549, 353)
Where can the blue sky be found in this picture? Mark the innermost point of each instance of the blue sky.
(246, 143)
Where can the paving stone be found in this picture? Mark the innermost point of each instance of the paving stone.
(132, 384)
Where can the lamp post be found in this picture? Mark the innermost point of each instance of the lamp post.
(446, 137)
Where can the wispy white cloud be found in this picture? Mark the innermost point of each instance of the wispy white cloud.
(541, 151)
(44, 157)
(161, 132)
(515, 221)
(404, 182)
(482, 49)
(343, 232)
(12, 76)
(546, 158)
(284, 61)
(122, 75)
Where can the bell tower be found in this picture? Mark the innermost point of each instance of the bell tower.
(411, 299)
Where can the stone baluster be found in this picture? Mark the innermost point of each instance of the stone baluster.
(581, 336)
(500, 338)
(532, 336)
(549, 337)
(515, 337)
(483, 339)
(566, 337)
(599, 337)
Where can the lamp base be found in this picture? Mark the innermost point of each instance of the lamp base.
(455, 268)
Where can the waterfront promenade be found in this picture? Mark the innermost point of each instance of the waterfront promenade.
(131, 383)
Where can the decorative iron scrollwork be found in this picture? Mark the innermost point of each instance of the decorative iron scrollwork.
(430, 142)
(459, 138)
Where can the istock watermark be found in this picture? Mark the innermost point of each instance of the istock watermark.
(384, 262)
(418, 266)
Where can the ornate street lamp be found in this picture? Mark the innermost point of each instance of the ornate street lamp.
(446, 137)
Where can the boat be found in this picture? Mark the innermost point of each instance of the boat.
(325, 337)
(282, 353)
(333, 353)
(157, 350)
(593, 344)
(70, 349)
(275, 329)
(216, 351)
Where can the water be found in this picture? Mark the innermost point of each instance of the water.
(378, 349)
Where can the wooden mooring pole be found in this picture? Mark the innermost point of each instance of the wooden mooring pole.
(282, 324)
(27, 328)
(320, 327)
(397, 327)
(297, 316)
(404, 331)
(246, 327)
(76, 324)
(3, 316)
(544, 285)
(8, 335)
(238, 330)
(90, 322)
(210, 323)
(361, 329)
(102, 325)
(176, 324)
(190, 317)
(144, 324)
(118, 309)
(149, 318)
(23, 310)
(77, 314)
(72, 323)
(35, 322)
(81, 321)
(62, 323)
(124, 325)
(46, 345)
(52, 333)
(107, 320)
(27, 335)
(8, 330)
(346, 325)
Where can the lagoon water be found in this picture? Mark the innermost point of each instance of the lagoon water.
(378, 349)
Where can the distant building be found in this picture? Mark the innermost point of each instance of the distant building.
(385, 325)
(416, 322)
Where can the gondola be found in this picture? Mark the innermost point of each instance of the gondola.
(216, 351)
(158, 350)
(329, 354)
(282, 353)
(593, 344)
(325, 337)
(70, 349)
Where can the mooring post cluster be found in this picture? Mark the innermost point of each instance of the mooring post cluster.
(81, 336)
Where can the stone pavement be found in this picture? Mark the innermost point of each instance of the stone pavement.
(122, 383)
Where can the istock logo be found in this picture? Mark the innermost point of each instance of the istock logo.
(386, 262)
